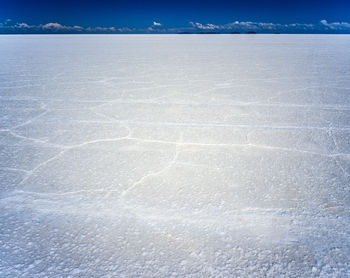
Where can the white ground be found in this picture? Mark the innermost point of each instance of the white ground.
(175, 155)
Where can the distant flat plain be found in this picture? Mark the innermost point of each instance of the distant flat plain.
(174, 156)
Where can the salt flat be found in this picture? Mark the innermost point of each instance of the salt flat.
(175, 156)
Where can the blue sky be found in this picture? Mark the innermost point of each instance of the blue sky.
(135, 16)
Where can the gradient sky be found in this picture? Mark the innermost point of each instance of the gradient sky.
(140, 15)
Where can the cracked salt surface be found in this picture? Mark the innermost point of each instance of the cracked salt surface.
(175, 156)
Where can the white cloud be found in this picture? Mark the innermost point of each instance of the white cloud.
(103, 29)
(253, 26)
(54, 26)
(157, 24)
(153, 27)
(22, 25)
(125, 30)
(236, 26)
(99, 29)
(208, 26)
(336, 25)
(244, 26)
